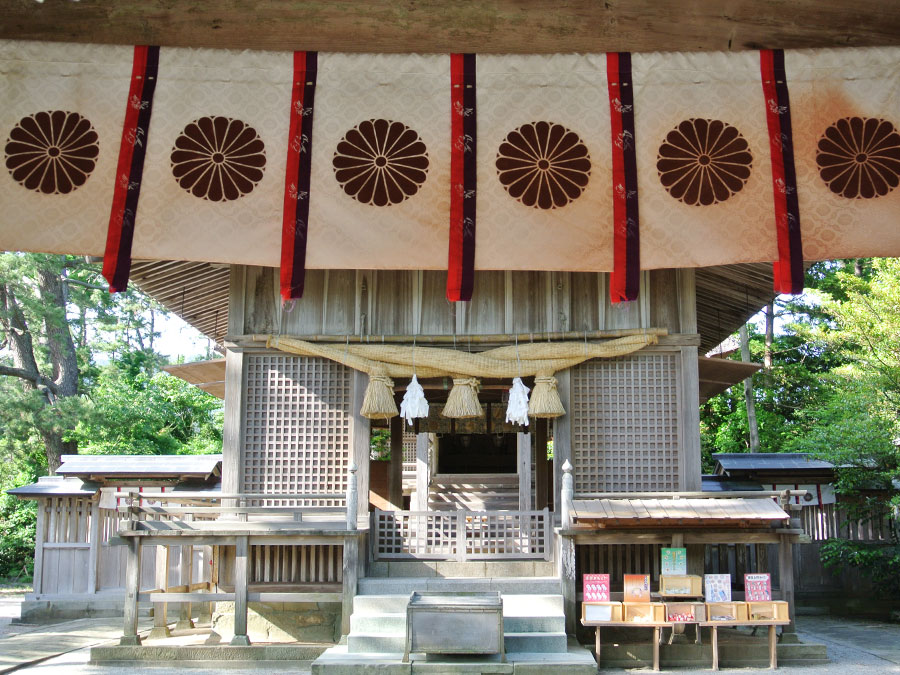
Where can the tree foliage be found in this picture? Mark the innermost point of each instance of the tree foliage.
(79, 372)
(833, 391)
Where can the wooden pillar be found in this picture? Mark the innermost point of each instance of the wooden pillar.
(185, 569)
(395, 475)
(132, 588)
(523, 462)
(786, 579)
(94, 552)
(40, 536)
(204, 615)
(161, 581)
(241, 569)
(422, 472)
(360, 431)
(562, 436)
(351, 577)
(232, 430)
(540, 464)
(567, 551)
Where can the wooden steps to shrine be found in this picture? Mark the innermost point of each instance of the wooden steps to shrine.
(474, 492)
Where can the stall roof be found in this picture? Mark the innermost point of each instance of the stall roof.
(711, 483)
(56, 486)
(206, 375)
(717, 375)
(95, 467)
(753, 462)
(641, 513)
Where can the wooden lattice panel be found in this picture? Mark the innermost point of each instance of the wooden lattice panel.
(409, 448)
(415, 534)
(507, 534)
(317, 563)
(625, 423)
(297, 425)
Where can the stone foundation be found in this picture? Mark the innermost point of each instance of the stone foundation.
(282, 621)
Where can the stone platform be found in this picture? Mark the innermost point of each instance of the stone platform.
(576, 660)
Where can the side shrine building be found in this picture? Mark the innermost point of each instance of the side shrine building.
(510, 264)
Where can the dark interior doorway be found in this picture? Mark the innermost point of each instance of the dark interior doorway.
(477, 453)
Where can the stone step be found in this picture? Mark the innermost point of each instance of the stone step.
(382, 643)
(395, 624)
(534, 624)
(385, 624)
(575, 661)
(375, 643)
(514, 604)
(540, 643)
(511, 585)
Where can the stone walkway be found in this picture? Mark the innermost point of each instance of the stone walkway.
(855, 646)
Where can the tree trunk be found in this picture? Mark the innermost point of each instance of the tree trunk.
(748, 393)
(63, 358)
(62, 381)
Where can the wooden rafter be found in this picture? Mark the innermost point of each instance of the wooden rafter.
(438, 26)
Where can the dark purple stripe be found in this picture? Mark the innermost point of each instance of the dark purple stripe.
(470, 170)
(136, 173)
(632, 237)
(304, 169)
(790, 173)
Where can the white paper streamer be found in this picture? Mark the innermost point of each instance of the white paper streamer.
(517, 410)
(414, 404)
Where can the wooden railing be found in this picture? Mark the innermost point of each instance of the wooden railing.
(462, 535)
(209, 505)
(255, 537)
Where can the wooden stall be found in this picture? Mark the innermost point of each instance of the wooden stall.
(78, 569)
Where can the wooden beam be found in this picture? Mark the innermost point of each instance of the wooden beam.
(463, 26)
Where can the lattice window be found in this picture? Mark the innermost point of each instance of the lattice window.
(625, 423)
(297, 426)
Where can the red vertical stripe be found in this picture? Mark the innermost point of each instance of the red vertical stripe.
(625, 277)
(123, 168)
(463, 169)
(298, 176)
(454, 262)
(617, 278)
(788, 269)
(289, 217)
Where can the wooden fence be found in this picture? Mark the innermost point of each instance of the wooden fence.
(73, 555)
(462, 535)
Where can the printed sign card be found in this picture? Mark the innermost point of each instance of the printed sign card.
(596, 587)
(674, 561)
(598, 612)
(637, 587)
(757, 587)
(718, 587)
